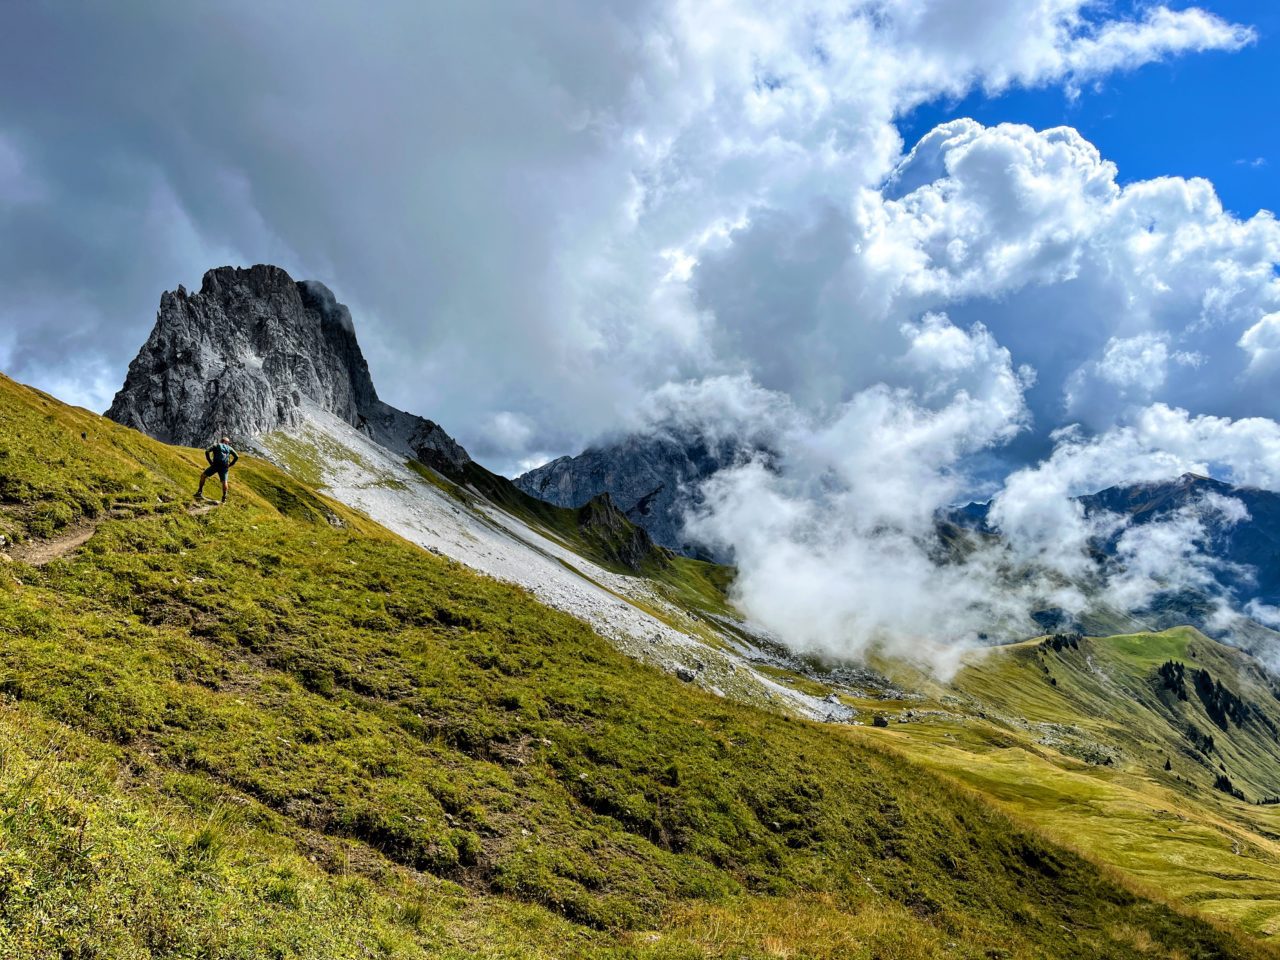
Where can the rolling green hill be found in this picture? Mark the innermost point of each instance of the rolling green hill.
(1155, 753)
(274, 729)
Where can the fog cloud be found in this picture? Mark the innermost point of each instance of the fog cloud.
(540, 215)
(836, 543)
(841, 551)
(560, 222)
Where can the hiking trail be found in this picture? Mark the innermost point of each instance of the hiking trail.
(39, 552)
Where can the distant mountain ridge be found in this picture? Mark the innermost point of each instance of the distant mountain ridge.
(652, 478)
(1248, 550)
(655, 478)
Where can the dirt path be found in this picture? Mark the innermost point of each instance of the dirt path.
(39, 552)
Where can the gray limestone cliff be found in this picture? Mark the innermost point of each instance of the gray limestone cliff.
(249, 354)
(653, 479)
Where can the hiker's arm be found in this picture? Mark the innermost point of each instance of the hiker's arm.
(208, 455)
(235, 458)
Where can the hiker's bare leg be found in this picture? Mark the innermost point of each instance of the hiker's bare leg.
(203, 477)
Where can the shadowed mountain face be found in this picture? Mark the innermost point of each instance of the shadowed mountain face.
(249, 354)
(652, 479)
(1248, 550)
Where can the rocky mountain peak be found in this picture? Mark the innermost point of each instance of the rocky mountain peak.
(652, 478)
(253, 352)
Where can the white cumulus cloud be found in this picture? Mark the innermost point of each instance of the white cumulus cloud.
(551, 227)
(547, 213)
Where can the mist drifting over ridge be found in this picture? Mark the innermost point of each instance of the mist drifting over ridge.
(838, 539)
(639, 197)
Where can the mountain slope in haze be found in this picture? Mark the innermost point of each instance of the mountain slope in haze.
(1233, 530)
(274, 728)
(1247, 548)
(653, 479)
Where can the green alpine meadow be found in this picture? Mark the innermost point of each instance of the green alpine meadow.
(273, 728)
(640, 480)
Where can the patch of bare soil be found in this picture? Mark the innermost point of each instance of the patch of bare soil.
(39, 552)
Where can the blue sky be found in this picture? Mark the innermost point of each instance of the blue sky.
(1210, 115)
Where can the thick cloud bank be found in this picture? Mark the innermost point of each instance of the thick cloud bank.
(539, 215)
(843, 537)
(836, 541)
(553, 222)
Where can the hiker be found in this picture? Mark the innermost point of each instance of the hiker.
(221, 459)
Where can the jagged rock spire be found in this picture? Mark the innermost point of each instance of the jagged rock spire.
(251, 353)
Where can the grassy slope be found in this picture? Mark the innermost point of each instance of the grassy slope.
(1042, 748)
(278, 730)
(561, 524)
(691, 585)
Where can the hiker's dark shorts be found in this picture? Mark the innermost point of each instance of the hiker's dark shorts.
(220, 469)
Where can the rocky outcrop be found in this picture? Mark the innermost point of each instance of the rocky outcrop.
(615, 538)
(250, 353)
(429, 444)
(653, 480)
